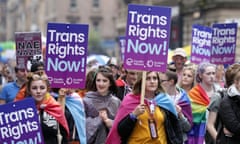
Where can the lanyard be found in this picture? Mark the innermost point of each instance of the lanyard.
(151, 107)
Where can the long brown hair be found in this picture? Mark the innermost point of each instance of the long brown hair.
(106, 72)
(137, 86)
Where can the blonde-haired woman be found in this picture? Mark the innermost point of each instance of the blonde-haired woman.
(51, 115)
(188, 78)
(200, 96)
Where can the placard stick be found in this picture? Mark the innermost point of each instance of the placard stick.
(143, 87)
(62, 98)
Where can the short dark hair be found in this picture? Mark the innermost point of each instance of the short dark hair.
(16, 69)
(35, 66)
(172, 76)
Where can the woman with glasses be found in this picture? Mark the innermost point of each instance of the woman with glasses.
(153, 122)
(102, 96)
(52, 120)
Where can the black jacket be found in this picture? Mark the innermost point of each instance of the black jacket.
(172, 127)
(230, 116)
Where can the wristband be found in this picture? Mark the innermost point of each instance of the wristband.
(132, 116)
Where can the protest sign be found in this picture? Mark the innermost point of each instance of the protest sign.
(28, 49)
(66, 55)
(201, 44)
(147, 40)
(122, 45)
(147, 37)
(224, 43)
(19, 123)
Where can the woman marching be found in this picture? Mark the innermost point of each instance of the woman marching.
(53, 122)
(153, 122)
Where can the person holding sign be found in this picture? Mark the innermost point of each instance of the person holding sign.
(53, 122)
(102, 96)
(153, 122)
(200, 96)
(74, 110)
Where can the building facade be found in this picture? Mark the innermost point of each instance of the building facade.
(185, 13)
(33, 15)
(107, 18)
(3, 11)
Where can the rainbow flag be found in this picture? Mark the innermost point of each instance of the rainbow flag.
(199, 101)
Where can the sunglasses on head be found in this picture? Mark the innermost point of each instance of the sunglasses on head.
(104, 68)
(37, 76)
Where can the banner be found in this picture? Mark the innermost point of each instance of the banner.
(224, 43)
(19, 123)
(66, 55)
(122, 44)
(147, 37)
(201, 44)
(28, 49)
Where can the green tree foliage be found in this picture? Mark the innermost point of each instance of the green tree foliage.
(94, 43)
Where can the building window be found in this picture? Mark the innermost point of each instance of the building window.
(96, 25)
(96, 3)
(73, 4)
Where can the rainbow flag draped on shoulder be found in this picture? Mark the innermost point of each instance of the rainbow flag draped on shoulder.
(199, 101)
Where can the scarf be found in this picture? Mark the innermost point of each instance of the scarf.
(199, 101)
(75, 105)
(21, 93)
(52, 107)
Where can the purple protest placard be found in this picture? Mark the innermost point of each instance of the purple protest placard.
(224, 43)
(147, 37)
(66, 55)
(122, 44)
(201, 44)
(28, 49)
(19, 123)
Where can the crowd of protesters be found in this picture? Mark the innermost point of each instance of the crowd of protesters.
(187, 104)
